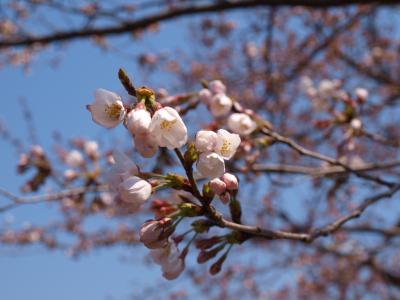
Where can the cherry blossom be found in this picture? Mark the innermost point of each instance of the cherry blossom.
(241, 124)
(74, 158)
(210, 164)
(107, 109)
(227, 143)
(220, 105)
(154, 234)
(138, 121)
(91, 148)
(172, 264)
(206, 140)
(168, 128)
(217, 87)
(134, 190)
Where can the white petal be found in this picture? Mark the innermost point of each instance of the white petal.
(241, 124)
(205, 140)
(138, 121)
(210, 164)
(227, 143)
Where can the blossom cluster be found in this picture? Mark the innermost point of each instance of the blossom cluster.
(152, 126)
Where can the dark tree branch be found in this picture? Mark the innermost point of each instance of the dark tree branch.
(144, 22)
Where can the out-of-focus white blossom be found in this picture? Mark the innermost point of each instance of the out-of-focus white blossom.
(251, 49)
(217, 87)
(206, 140)
(74, 158)
(107, 109)
(205, 96)
(172, 264)
(241, 124)
(122, 168)
(220, 105)
(91, 148)
(70, 175)
(37, 151)
(211, 165)
(168, 128)
(227, 143)
(356, 124)
(361, 94)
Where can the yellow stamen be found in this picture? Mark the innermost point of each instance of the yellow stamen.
(113, 111)
(166, 125)
(226, 148)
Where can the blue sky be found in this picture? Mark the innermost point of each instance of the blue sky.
(57, 99)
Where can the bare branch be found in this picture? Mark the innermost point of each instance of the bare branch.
(130, 26)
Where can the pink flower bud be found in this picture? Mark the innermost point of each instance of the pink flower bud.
(225, 198)
(207, 242)
(216, 267)
(217, 186)
(154, 234)
(231, 181)
(204, 255)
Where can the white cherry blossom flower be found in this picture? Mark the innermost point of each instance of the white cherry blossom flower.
(356, 124)
(91, 148)
(37, 151)
(220, 105)
(205, 140)
(74, 158)
(210, 164)
(361, 93)
(241, 124)
(70, 175)
(107, 109)
(138, 121)
(227, 143)
(168, 128)
(217, 87)
(154, 234)
(172, 264)
(134, 190)
(205, 96)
